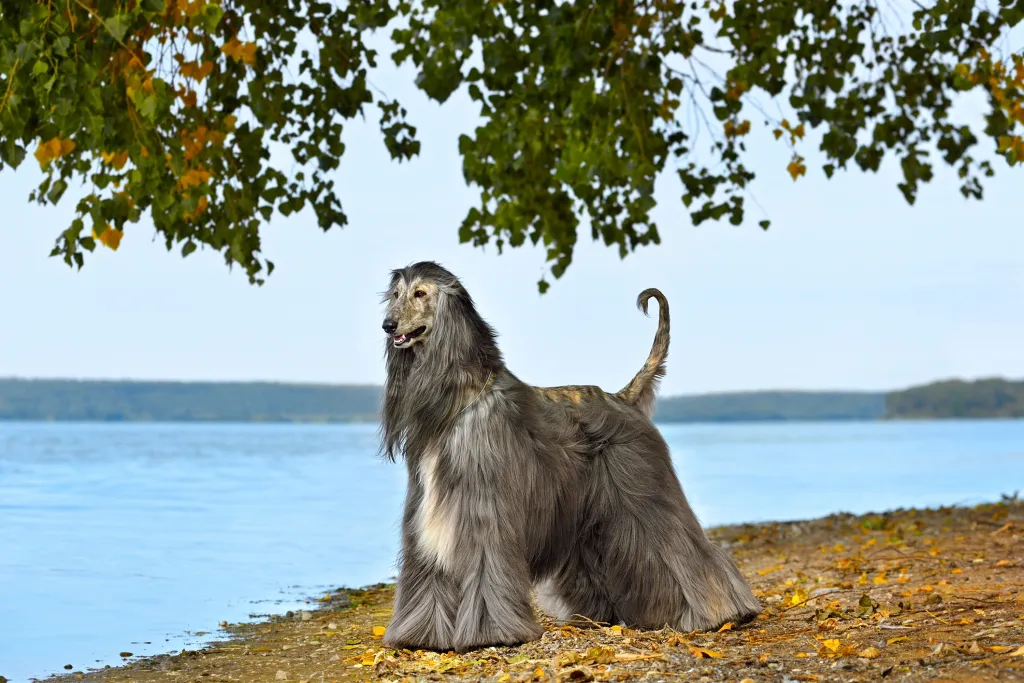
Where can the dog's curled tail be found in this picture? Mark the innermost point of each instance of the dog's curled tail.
(640, 392)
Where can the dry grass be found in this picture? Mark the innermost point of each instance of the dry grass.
(910, 595)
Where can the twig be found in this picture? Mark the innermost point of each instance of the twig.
(10, 84)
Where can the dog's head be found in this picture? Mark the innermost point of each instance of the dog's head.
(412, 302)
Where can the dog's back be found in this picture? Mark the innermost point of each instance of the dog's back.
(642, 389)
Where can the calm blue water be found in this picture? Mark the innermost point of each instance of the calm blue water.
(113, 536)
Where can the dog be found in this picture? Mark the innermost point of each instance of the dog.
(568, 491)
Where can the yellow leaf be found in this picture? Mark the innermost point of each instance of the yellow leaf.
(66, 147)
(115, 159)
(727, 626)
(869, 652)
(110, 237)
(1019, 652)
(504, 678)
(1000, 648)
(231, 48)
(880, 579)
(617, 629)
(229, 122)
(799, 595)
(378, 631)
(249, 53)
(701, 653)
(798, 132)
(831, 644)
(796, 167)
(801, 655)
(1003, 563)
(43, 155)
(194, 177)
(239, 51)
(777, 133)
(899, 639)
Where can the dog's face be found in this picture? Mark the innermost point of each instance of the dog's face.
(410, 314)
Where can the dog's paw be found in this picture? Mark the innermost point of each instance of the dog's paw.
(494, 635)
(426, 637)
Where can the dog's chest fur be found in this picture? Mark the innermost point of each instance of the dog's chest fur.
(435, 533)
(437, 517)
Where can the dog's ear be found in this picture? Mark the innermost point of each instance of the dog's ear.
(398, 363)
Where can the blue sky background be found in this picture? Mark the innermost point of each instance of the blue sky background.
(850, 289)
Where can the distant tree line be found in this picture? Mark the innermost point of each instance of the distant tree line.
(134, 401)
(985, 398)
(125, 401)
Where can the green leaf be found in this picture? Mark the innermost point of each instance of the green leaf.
(56, 191)
(118, 25)
(212, 14)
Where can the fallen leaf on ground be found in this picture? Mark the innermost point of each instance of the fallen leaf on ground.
(869, 653)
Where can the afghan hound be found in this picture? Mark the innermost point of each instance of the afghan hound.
(566, 490)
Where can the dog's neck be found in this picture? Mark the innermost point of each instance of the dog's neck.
(426, 393)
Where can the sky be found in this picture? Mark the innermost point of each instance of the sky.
(851, 288)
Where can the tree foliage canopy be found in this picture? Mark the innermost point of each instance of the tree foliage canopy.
(171, 108)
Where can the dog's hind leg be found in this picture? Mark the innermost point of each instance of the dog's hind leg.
(661, 569)
(577, 588)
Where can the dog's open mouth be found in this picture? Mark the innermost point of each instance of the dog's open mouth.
(402, 339)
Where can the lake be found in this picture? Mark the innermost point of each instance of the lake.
(141, 537)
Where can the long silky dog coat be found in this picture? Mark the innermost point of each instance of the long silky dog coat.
(566, 490)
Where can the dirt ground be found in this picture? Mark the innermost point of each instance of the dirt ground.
(910, 595)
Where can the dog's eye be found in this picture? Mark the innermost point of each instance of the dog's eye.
(419, 293)
(395, 295)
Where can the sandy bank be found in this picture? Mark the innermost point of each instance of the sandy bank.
(910, 595)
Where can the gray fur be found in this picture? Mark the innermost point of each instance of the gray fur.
(511, 487)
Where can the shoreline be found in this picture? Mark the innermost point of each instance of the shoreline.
(913, 594)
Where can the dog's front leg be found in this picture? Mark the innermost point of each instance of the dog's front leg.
(495, 606)
(425, 596)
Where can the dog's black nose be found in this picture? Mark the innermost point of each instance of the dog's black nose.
(390, 326)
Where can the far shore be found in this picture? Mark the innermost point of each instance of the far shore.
(258, 402)
(914, 594)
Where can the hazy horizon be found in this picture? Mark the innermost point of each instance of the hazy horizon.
(661, 394)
